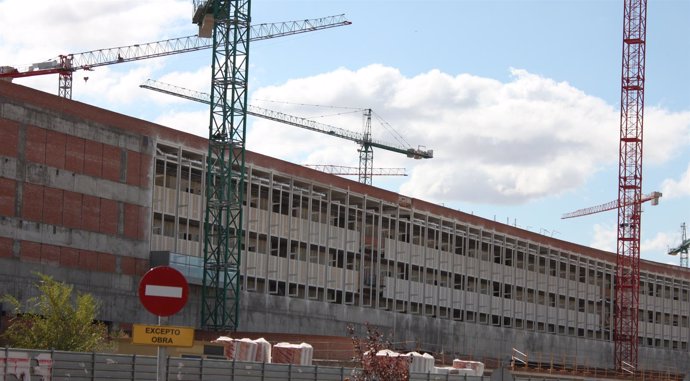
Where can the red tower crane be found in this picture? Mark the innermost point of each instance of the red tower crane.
(66, 64)
(630, 198)
(627, 281)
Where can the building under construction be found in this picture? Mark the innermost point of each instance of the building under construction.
(95, 198)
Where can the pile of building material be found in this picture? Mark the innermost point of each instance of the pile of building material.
(470, 368)
(421, 363)
(260, 350)
(425, 363)
(298, 354)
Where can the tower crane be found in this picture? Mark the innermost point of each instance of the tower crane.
(66, 64)
(630, 198)
(682, 250)
(653, 197)
(365, 141)
(230, 28)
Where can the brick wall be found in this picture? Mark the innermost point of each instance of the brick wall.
(89, 183)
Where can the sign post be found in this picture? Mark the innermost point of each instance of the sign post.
(163, 291)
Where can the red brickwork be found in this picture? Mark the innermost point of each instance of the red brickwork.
(93, 153)
(36, 145)
(74, 154)
(50, 255)
(30, 251)
(91, 211)
(74, 210)
(32, 202)
(10, 138)
(7, 197)
(106, 262)
(69, 257)
(112, 157)
(55, 149)
(73, 258)
(88, 260)
(109, 217)
(134, 169)
(133, 223)
(6, 247)
(71, 215)
(52, 206)
(70, 209)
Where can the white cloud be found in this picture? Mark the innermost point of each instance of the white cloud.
(89, 25)
(45, 29)
(659, 243)
(113, 87)
(665, 134)
(196, 81)
(494, 142)
(672, 188)
(192, 122)
(605, 237)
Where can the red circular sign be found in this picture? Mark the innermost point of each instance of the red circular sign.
(163, 291)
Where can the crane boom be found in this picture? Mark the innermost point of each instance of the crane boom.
(296, 121)
(683, 247)
(66, 64)
(342, 170)
(611, 205)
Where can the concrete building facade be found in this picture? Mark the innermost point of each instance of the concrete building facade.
(95, 198)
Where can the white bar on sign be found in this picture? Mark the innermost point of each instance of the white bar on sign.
(164, 291)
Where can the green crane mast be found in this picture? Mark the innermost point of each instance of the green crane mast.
(682, 249)
(230, 24)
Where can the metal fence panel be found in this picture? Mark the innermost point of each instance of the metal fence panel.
(445, 377)
(37, 365)
(184, 369)
(74, 366)
(216, 370)
(112, 367)
(145, 368)
(334, 374)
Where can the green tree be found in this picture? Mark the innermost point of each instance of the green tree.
(55, 319)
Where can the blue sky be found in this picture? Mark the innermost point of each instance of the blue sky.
(519, 99)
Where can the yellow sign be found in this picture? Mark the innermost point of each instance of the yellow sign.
(163, 335)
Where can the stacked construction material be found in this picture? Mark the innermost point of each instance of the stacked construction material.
(420, 363)
(238, 349)
(228, 346)
(476, 368)
(298, 354)
(263, 350)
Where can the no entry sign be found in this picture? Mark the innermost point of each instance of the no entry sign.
(163, 291)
